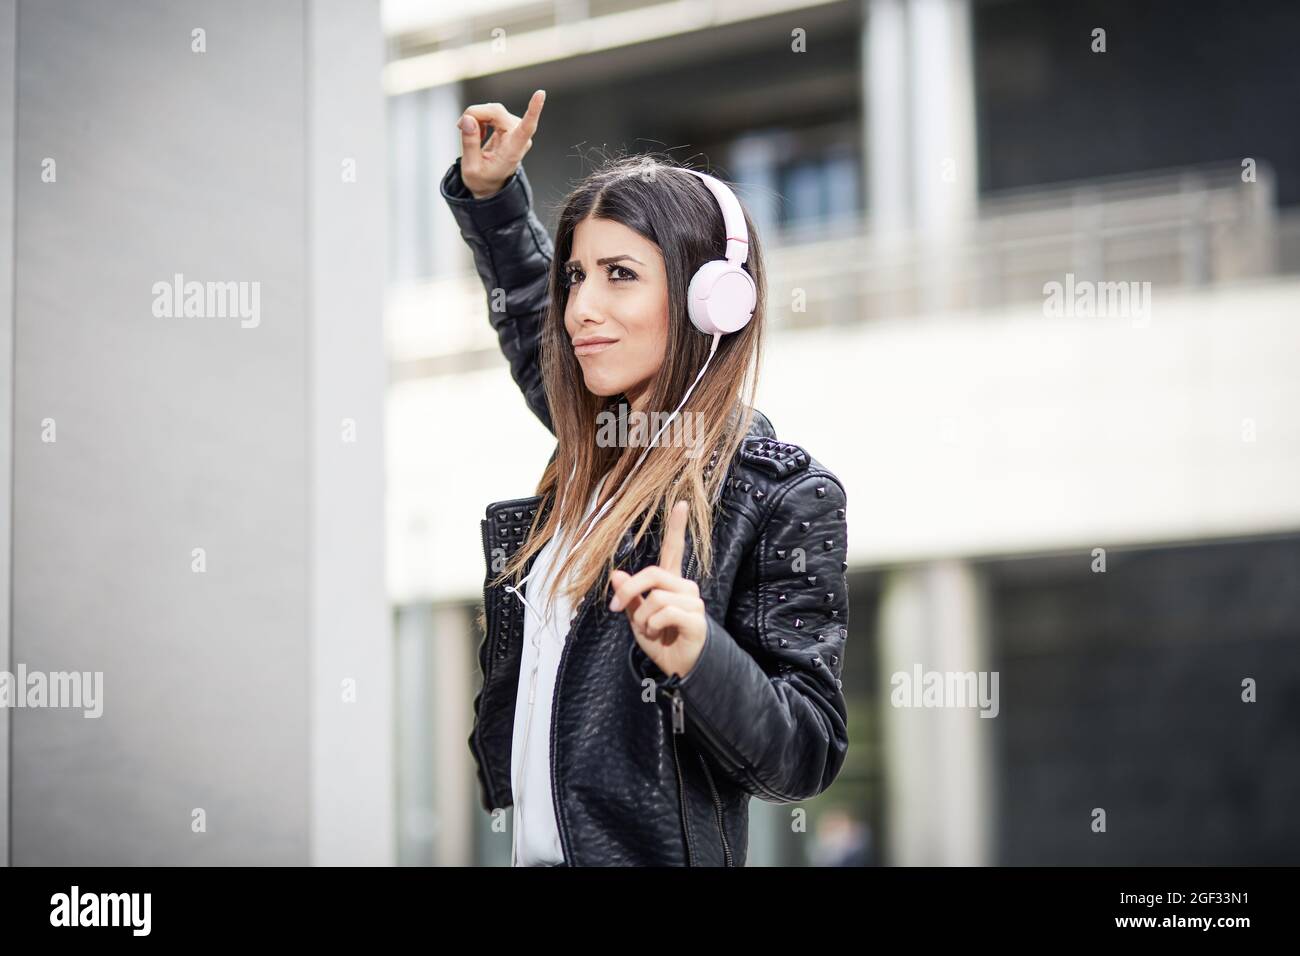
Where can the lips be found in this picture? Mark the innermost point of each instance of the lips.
(590, 346)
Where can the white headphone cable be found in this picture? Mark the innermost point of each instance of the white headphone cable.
(513, 589)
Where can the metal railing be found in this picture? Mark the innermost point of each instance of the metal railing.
(1186, 227)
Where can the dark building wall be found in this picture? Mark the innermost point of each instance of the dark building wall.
(1123, 691)
(1180, 83)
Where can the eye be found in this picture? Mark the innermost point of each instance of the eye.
(610, 270)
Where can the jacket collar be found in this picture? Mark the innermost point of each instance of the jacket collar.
(761, 426)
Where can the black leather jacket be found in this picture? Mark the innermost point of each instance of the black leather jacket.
(646, 768)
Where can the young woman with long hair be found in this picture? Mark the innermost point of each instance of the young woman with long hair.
(664, 618)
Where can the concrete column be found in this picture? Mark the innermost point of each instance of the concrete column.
(197, 498)
(922, 170)
(443, 106)
(887, 129)
(8, 13)
(452, 643)
(941, 84)
(417, 670)
(943, 158)
(938, 769)
(425, 239)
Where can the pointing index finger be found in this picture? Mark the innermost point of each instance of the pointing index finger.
(528, 125)
(674, 543)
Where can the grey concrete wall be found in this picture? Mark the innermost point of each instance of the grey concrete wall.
(178, 480)
(7, 23)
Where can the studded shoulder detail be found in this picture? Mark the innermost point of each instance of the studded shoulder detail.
(777, 458)
(507, 523)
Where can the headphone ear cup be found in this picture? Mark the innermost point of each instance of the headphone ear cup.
(721, 297)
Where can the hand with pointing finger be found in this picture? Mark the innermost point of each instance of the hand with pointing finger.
(484, 169)
(669, 621)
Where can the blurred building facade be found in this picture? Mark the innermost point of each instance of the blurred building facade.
(1045, 259)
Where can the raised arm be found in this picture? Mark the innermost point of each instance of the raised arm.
(512, 253)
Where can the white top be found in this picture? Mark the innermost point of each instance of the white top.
(536, 833)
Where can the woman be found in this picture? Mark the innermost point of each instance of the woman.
(690, 656)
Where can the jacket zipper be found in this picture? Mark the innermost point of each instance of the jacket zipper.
(679, 727)
(723, 750)
(679, 713)
(489, 652)
(681, 797)
(487, 601)
(583, 608)
(690, 561)
(717, 810)
(490, 618)
(581, 614)
(677, 767)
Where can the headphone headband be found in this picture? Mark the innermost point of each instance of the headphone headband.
(722, 295)
(733, 218)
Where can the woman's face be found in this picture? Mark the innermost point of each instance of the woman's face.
(618, 302)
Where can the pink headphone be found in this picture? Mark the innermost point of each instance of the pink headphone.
(721, 296)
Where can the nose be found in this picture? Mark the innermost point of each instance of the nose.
(585, 306)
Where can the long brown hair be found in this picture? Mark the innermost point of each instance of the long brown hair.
(676, 211)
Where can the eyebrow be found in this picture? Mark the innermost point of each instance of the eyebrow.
(606, 261)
